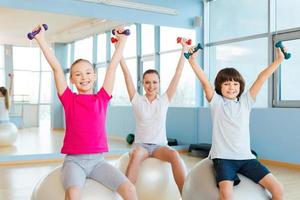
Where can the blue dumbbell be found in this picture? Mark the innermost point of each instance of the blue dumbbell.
(286, 54)
(126, 32)
(34, 33)
(187, 55)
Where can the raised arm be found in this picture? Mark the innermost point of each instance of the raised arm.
(11, 84)
(207, 87)
(128, 79)
(110, 75)
(58, 73)
(266, 73)
(175, 80)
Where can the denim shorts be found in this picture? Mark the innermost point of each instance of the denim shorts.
(227, 170)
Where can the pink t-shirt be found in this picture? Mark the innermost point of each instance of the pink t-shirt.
(85, 116)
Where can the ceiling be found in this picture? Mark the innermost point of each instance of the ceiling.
(15, 24)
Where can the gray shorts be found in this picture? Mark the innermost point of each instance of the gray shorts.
(149, 147)
(77, 168)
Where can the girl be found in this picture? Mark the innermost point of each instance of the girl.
(85, 113)
(5, 100)
(150, 114)
(230, 111)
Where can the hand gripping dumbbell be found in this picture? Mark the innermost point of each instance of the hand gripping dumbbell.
(114, 39)
(187, 55)
(34, 33)
(188, 42)
(286, 54)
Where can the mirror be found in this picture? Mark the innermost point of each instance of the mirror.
(32, 94)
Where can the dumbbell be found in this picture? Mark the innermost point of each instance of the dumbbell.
(130, 138)
(34, 33)
(187, 55)
(188, 42)
(126, 32)
(286, 54)
(113, 40)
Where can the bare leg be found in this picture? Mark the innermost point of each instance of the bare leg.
(226, 190)
(127, 191)
(73, 193)
(172, 156)
(137, 155)
(272, 184)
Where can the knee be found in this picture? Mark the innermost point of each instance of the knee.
(72, 193)
(137, 153)
(225, 194)
(128, 189)
(174, 157)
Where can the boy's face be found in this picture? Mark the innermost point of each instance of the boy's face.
(151, 84)
(230, 89)
(83, 77)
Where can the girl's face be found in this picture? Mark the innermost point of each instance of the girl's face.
(230, 89)
(151, 84)
(83, 77)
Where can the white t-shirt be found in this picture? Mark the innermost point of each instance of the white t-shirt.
(230, 127)
(4, 113)
(150, 119)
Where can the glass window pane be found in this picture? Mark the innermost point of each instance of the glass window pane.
(1, 56)
(230, 18)
(100, 76)
(186, 92)
(168, 37)
(84, 49)
(46, 87)
(147, 39)
(248, 57)
(120, 94)
(289, 81)
(2, 81)
(30, 90)
(44, 116)
(101, 54)
(26, 58)
(287, 14)
(149, 64)
(45, 64)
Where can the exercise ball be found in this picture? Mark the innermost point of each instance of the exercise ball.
(155, 179)
(8, 133)
(50, 188)
(200, 184)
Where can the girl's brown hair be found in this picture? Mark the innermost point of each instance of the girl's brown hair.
(4, 92)
(229, 74)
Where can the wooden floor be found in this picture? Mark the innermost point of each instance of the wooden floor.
(18, 181)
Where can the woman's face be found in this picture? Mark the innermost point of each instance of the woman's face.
(151, 84)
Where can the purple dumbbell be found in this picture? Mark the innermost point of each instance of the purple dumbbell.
(33, 34)
(126, 32)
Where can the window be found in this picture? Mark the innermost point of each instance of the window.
(2, 72)
(232, 19)
(120, 93)
(287, 83)
(83, 49)
(287, 14)
(169, 56)
(147, 39)
(101, 47)
(248, 57)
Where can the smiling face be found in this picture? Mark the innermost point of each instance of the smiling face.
(229, 83)
(82, 75)
(151, 84)
(230, 89)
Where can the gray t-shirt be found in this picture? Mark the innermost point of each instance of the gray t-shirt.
(230, 127)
